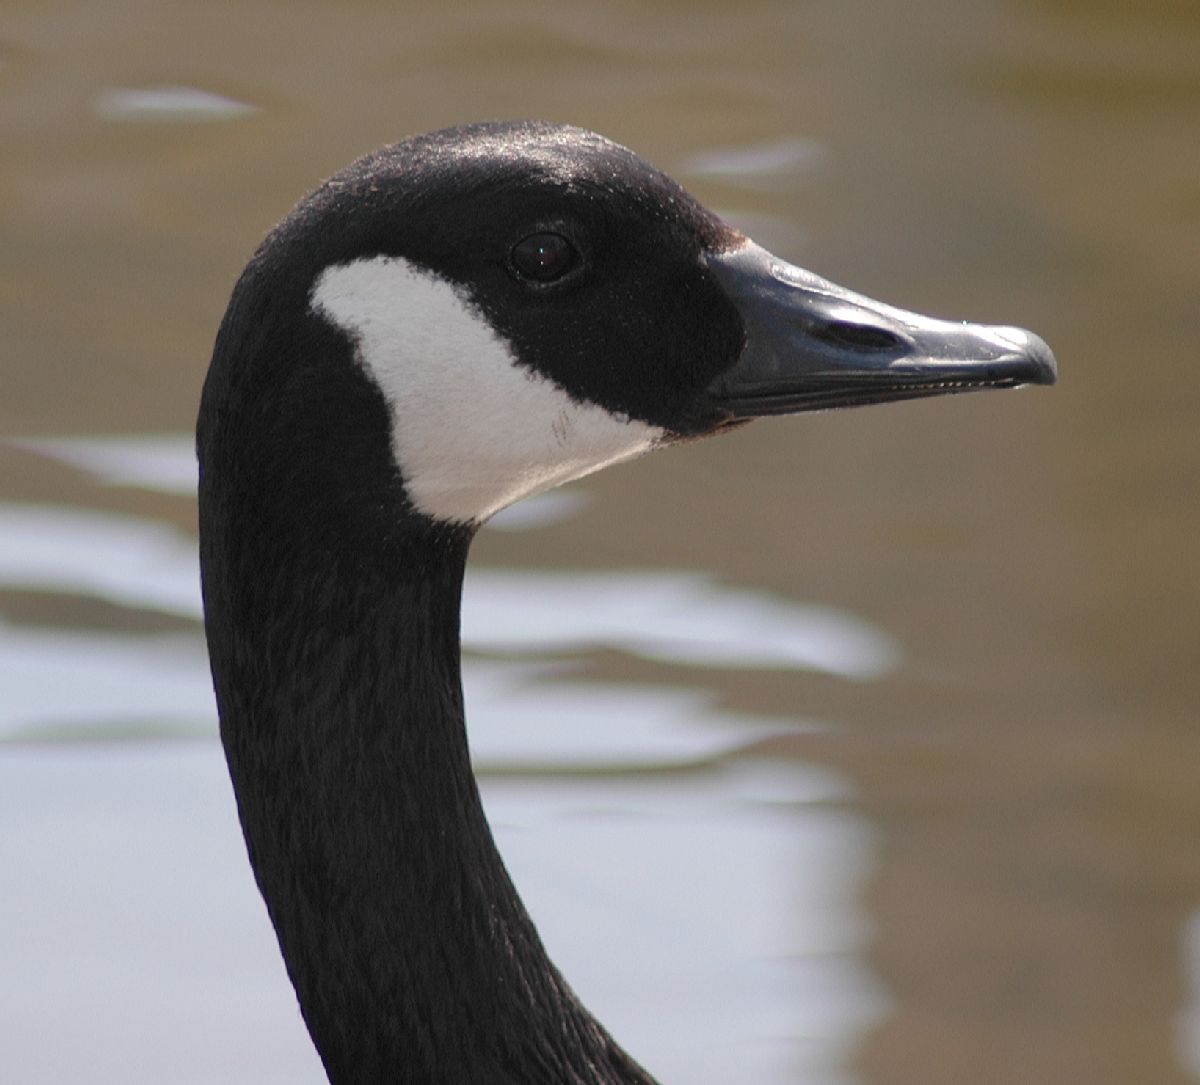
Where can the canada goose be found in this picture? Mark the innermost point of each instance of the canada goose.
(450, 324)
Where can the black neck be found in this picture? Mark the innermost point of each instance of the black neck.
(341, 713)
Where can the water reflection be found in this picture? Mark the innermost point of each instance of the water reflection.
(775, 165)
(77, 682)
(706, 904)
(161, 462)
(134, 947)
(72, 685)
(673, 617)
(680, 618)
(131, 924)
(725, 906)
(134, 563)
(166, 463)
(1188, 1024)
(172, 104)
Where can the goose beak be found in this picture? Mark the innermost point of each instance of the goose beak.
(812, 345)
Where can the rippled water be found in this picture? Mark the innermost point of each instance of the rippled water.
(136, 947)
(664, 894)
(860, 747)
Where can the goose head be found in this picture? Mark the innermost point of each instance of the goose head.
(519, 304)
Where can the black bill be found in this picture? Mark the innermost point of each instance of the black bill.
(812, 345)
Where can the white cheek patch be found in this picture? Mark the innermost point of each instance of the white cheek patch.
(472, 430)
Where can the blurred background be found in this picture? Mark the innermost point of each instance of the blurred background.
(851, 748)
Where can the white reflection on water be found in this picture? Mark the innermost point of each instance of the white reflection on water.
(72, 684)
(777, 164)
(683, 618)
(730, 926)
(134, 948)
(163, 462)
(674, 617)
(1188, 1024)
(712, 918)
(75, 686)
(166, 463)
(718, 935)
(134, 563)
(168, 102)
(519, 720)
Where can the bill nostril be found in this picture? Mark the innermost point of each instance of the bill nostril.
(845, 333)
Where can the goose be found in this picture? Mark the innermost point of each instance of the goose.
(452, 323)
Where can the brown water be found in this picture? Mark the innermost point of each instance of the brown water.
(1032, 766)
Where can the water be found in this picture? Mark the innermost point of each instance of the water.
(652, 844)
(941, 726)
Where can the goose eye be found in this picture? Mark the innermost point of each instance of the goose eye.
(544, 257)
